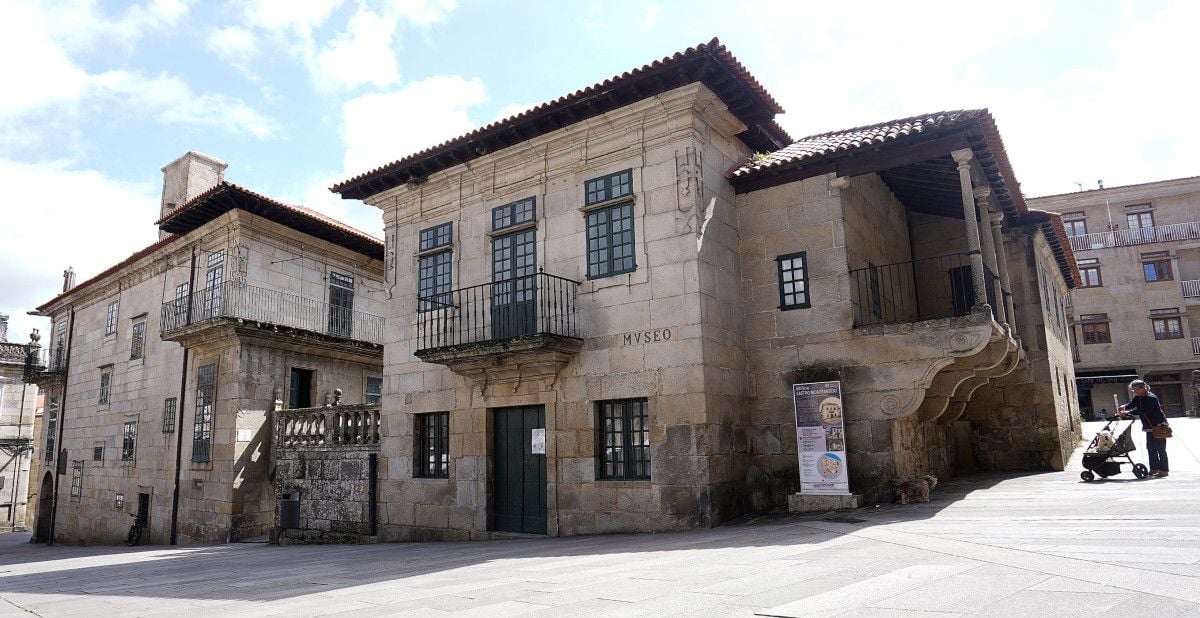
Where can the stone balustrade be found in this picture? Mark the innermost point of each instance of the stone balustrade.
(332, 426)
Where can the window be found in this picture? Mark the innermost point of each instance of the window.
(608, 187)
(51, 427)
(214, 276)
(433, 445)
(110, 321)
(624, 439)
(1141, 225)
(1090, 276)
(610, 241)
(181, 300)
(128, 441)
(436, 237)
(168, 418)
(98, 451)
(516, 213)
(1077, 227)
(1157, 270)
(206, 386)
(1096, 333)
(793, 282)
(76, 479)
(300, 388)
(137, 343)
(1168, 328)
(433, 281)
(341, 304)
(105, 386)
(374, 392)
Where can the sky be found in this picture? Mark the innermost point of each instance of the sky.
(95, 97)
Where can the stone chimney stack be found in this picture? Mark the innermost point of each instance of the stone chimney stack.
(3, 327)
(68, 278)
(186, 177)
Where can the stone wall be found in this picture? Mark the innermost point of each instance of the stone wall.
(334, 493)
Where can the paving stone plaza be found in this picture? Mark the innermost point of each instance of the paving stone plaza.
(1016, 545)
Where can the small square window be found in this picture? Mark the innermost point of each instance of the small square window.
(1096, 333)
(374, 391)
(610, 241)
(1090, 277)
(433, 445)
(516, 213)
(98, 452)
(435, 237)
(793, 281)
(1157, 270)
(608, 187)
(1168, 328)
(1075, 228)
(624, 439)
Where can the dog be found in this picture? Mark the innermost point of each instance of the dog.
(916, 489)
(1104, 440)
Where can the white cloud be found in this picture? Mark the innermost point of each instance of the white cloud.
(362, 54)
(44, 75)
(115, 221)
(237, 46)
(172, 101)
(83, 25)
(380, 128)
(650, 14)
(421, 12)
(298, 16)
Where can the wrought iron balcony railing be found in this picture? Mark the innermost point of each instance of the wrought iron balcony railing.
(917, 290)
(45, 362)
(234, 299)
(1196, 346)
(1136, 236)
(538, 304)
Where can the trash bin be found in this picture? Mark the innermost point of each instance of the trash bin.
(289, 510)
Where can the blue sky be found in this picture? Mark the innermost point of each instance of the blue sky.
(297, 94)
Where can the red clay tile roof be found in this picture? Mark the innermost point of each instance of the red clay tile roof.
(823, 144)
(1056, 234)
(226, 195)
(156, 245)
(709, 63)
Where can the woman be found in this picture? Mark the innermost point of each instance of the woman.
(1145, 406)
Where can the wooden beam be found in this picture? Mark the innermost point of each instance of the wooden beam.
(898, 156)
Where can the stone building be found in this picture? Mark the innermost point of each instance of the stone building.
(17, 405)
(1137, 309)
(163, 371)
(596, 309)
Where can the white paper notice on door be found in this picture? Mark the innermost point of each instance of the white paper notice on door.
(538, 442)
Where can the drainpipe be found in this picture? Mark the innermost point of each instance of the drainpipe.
(179, 410)
(62, 424)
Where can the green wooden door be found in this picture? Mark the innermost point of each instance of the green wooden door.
(519, 485)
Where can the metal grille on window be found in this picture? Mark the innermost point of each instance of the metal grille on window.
(624, 439)
(516, 213)
(202, 430)
(105, 386)
(168, 419)
(51, 427)
(608, 187)
(793, 282)
(433, 445)
(76, 479)
(137, 343)
(610, 241)
(128, 440)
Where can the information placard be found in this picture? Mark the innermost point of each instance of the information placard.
(821, 438)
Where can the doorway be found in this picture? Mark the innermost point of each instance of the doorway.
(519, 483)
(41, 532)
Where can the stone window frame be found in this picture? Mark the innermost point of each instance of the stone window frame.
(1166, 333)
(791, 297)
(170, 410)
(615, 226)
(619, 423)
(206, 395)
(372, 397)
(129, 442)
(431, 453)
(137, 340)
(1086, 279)
(110, 317)
(1096, 331)
(1161, 268)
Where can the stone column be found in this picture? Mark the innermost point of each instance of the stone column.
(983, 206)
(1010, 313)
(963, 159)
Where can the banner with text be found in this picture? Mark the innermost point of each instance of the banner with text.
(821, 438)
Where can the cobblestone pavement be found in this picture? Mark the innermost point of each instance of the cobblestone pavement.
(1039, 544)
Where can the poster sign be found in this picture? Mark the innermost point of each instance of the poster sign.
(538, 442)
(821, 438)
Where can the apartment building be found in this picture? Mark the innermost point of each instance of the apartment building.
(1137, 310)
(162, 372)
(597, 309)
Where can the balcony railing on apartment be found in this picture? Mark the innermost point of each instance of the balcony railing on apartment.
(1191, 288)
(1136, 236)
(1196, 346)
(538, 304)
(356, 425)
(234, 299)
(917, 290)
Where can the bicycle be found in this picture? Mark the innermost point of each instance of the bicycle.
(135, 531)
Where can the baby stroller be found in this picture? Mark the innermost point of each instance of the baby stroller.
(1105, 461)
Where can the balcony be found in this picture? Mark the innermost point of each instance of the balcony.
(234, 300)
(1196, 346)
(1137, 236)
(1191, 288)
(44, 365)
(532, 317)
(333, 427)
(918, 290)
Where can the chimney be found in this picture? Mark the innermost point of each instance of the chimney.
(1100, 183)
(68, 278)
(3, 327)
(186, 177)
